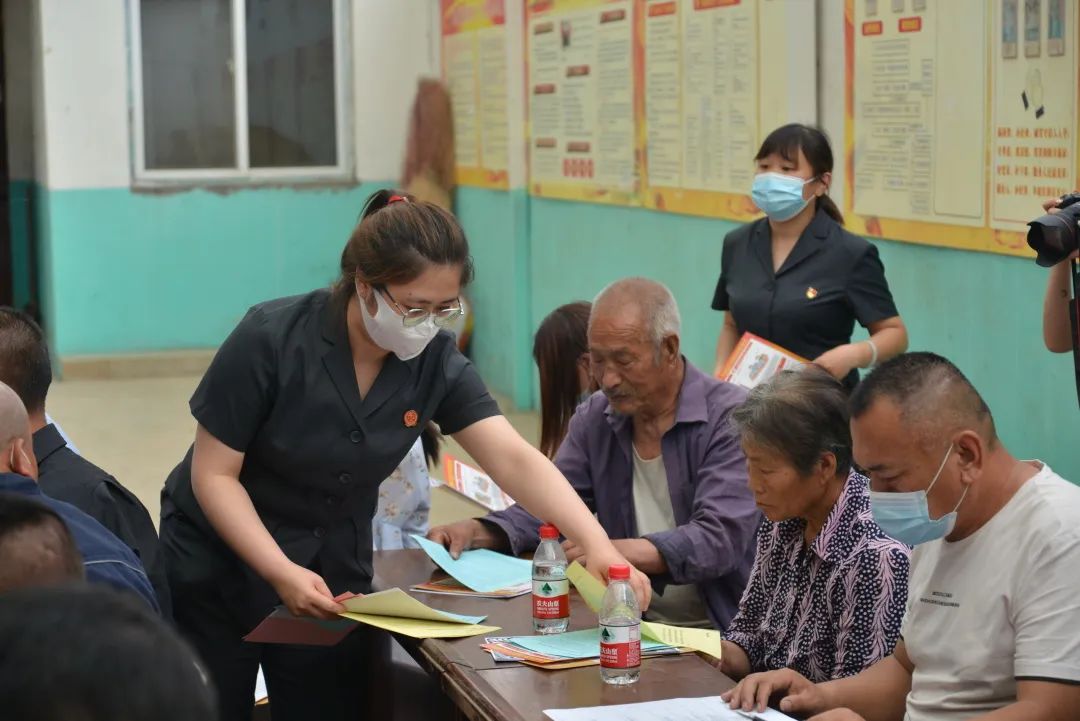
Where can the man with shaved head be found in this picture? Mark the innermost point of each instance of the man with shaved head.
(655, 457)
(993, 611)
(107, 559)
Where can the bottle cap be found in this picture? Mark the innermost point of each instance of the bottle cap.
(618, 572)
(548, 532)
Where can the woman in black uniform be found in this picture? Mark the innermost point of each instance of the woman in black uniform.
(796, 277)
(308, 405)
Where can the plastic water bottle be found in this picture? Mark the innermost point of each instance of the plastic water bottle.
(551, 589)
(620, 630)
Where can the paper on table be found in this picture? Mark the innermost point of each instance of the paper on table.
(572, 645)
(481, 570)
(705, 640)
(396, 603)
(710, 708)
(589, 586)
(699, 639)
(418, 628)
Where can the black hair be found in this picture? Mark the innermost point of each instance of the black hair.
(912, 380)
(24, 358)
(397, 238)
(89, 653)
(801, 415)
(788, 140)
(26, 560)
(560, 342)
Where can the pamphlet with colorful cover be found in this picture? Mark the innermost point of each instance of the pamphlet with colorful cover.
(756, 360)
(474, 484)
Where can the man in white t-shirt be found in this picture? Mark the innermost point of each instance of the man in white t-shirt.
(992, 631)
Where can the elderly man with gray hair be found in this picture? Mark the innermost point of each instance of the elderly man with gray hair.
(655, 456)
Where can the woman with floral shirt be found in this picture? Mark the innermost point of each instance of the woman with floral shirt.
(828, 589)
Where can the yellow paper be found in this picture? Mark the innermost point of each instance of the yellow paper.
(705, 640)
(396, 603)
(589, 586)
(698, 639)
(418, 628)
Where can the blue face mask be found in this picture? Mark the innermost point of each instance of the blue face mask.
(906, 517)
(779, 196)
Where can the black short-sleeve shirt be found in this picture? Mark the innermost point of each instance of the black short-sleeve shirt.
(282, 389)
(831, 279)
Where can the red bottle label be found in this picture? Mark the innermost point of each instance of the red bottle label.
(620, 646)
(551, 599)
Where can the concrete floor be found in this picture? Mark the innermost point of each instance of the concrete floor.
(139, 429)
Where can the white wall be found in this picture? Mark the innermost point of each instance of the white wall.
(84, 123)
(84, 55)
(394, 45)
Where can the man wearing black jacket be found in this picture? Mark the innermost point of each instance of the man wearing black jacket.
(62, 473)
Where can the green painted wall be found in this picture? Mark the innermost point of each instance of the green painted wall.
(127, 272)
(20, 195)
(497, 227)
(982, 311)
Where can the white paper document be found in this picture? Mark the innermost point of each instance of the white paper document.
(709, 708)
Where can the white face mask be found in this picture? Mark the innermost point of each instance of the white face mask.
(389, 332)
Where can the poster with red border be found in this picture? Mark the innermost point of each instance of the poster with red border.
(583, 65)
(474, 61)
(959, 149)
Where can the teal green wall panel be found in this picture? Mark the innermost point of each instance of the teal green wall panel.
(127, 272)
(497, 226)
(20, 195)
(982, 311)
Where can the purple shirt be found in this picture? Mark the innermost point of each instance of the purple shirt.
(713, 543)
(828, 609)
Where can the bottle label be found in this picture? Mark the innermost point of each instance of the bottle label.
(551, 599)
(620, 646)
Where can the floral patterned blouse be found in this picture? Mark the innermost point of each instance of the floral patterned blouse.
(830, 608)
(404, 503)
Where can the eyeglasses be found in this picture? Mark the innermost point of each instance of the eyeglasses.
(412, 317)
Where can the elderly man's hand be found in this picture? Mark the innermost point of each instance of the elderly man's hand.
(574, 552)
(801, 695)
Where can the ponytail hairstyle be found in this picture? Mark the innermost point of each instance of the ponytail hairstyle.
(558, 347)
(788, 140)
(397, 239)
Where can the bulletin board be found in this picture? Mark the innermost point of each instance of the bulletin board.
(583, 100)
(662, 103)
(720, 75)
(961, 118)
(474, 58)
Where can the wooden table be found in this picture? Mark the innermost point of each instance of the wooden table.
(485, 691)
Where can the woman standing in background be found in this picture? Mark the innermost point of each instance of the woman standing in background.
(796, 277)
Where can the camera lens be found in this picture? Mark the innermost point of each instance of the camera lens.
(1054, 237)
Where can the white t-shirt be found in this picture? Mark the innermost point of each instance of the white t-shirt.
(999, 606)
(680, 605)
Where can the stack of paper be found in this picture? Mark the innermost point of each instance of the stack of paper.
(393, 610)
(451, 587)
(697, 639)
(481, 571)
(561, 650)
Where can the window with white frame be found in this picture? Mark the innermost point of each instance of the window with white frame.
(242, 90)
